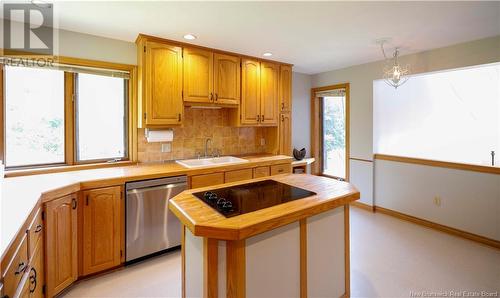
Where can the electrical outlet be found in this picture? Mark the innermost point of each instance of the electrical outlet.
(437, 201)
(262, 141)
(166, 147)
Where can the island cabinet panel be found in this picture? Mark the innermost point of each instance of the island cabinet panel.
(269, 87)
(259, 172)
(61, 243)
(285, 134)
(226, 79)
(281, 169)
(35, 232)
(273, 263)
(198, 75)
(325, 254)
(15, 268)
(102, 212)
(162, 73)
(194, 271)
(238, 175)
(285, 88)
(250, 92)
(207, 180)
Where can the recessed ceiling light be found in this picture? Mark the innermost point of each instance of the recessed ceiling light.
(267, 54)
(189, 37)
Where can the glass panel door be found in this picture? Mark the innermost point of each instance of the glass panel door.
(334, 135)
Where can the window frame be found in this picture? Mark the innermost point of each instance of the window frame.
(71, 162)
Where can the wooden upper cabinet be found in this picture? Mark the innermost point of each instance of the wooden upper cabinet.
(198, 75)
(162, 72)
(250, 92)
(61, 244)
(226, 79)
(285, 134)
(285, 88)
(269, 93)
(102, 215)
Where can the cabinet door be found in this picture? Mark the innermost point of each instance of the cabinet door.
(198, 75)
(285, 134)
(285, 88)
(36, 273)
(250, 92)
(163, 84)
(61, 245)
(226, 79)
(269, 82)
(102, 213)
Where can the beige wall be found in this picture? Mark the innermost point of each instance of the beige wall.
(301, 111)
(410, 188)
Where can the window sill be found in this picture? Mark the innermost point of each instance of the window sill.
(58, 169)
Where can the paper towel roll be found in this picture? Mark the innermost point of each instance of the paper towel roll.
(153, 136)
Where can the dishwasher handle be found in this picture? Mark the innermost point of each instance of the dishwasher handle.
(139, 191)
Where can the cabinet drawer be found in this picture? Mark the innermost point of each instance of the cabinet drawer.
(281, 169)
(16, 268)
(238, 175)
(261, 172)
(207, 180)
(35, 232)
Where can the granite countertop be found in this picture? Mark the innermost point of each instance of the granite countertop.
(21, 194)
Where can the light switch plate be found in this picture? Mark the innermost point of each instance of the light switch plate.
(166, 147)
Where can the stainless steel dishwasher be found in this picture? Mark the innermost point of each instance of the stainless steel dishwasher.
(151, 228)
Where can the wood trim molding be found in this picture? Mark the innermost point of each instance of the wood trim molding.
(210, 268)
(303, 258)
(360, 159)
(363, 206)
(440, 164)
(439, 227)
(347, 252)
(316, 127)
(66, 168)
(235, 269)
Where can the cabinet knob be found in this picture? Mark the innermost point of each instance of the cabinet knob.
(179, 119)
(216, 96)
(20, 268)
(282, 118)
(32, 280)
(74, 203)
(258, 118)
(211, 96)
(262, 118)
(38, 228)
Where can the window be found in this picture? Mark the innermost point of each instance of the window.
(449, 116)
(101, 117)
(64, 115)
(34, 116)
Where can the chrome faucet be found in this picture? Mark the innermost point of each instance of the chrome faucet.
(206, 145)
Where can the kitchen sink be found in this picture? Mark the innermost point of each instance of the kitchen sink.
(213, 161)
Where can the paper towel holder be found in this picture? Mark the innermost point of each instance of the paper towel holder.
(158, 135)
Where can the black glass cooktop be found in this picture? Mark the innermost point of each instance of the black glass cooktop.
(240, 199)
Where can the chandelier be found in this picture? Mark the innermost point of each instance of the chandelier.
(395, 75)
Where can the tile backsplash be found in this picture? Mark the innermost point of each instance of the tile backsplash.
(198, 125)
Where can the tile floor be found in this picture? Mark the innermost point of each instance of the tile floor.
(389, 258)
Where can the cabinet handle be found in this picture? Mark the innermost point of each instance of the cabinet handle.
(216, 97)
(38, 228)
(280, 171)
(282, 118)
(282, 106)
(87, 200)
(33, 280)
(258, 118)
(20, 268)
(74, 203)
(211, 96)
(262, 118)
(179, 119)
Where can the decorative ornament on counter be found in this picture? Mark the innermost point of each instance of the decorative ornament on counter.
(299, 154)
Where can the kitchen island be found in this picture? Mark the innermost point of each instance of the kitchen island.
(297, 248)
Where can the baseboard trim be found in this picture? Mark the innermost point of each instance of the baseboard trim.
(436, 226)
(363, 206)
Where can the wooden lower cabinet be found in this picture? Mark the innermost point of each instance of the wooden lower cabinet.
(36, 273)
(259, 172)
(281, 169)
(61, 247)
(15, 270)
(102, 239)
(207, 180)
(238, 175)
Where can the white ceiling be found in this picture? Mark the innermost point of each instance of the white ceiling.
(314, 36)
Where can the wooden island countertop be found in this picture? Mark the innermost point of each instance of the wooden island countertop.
(202, 220)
